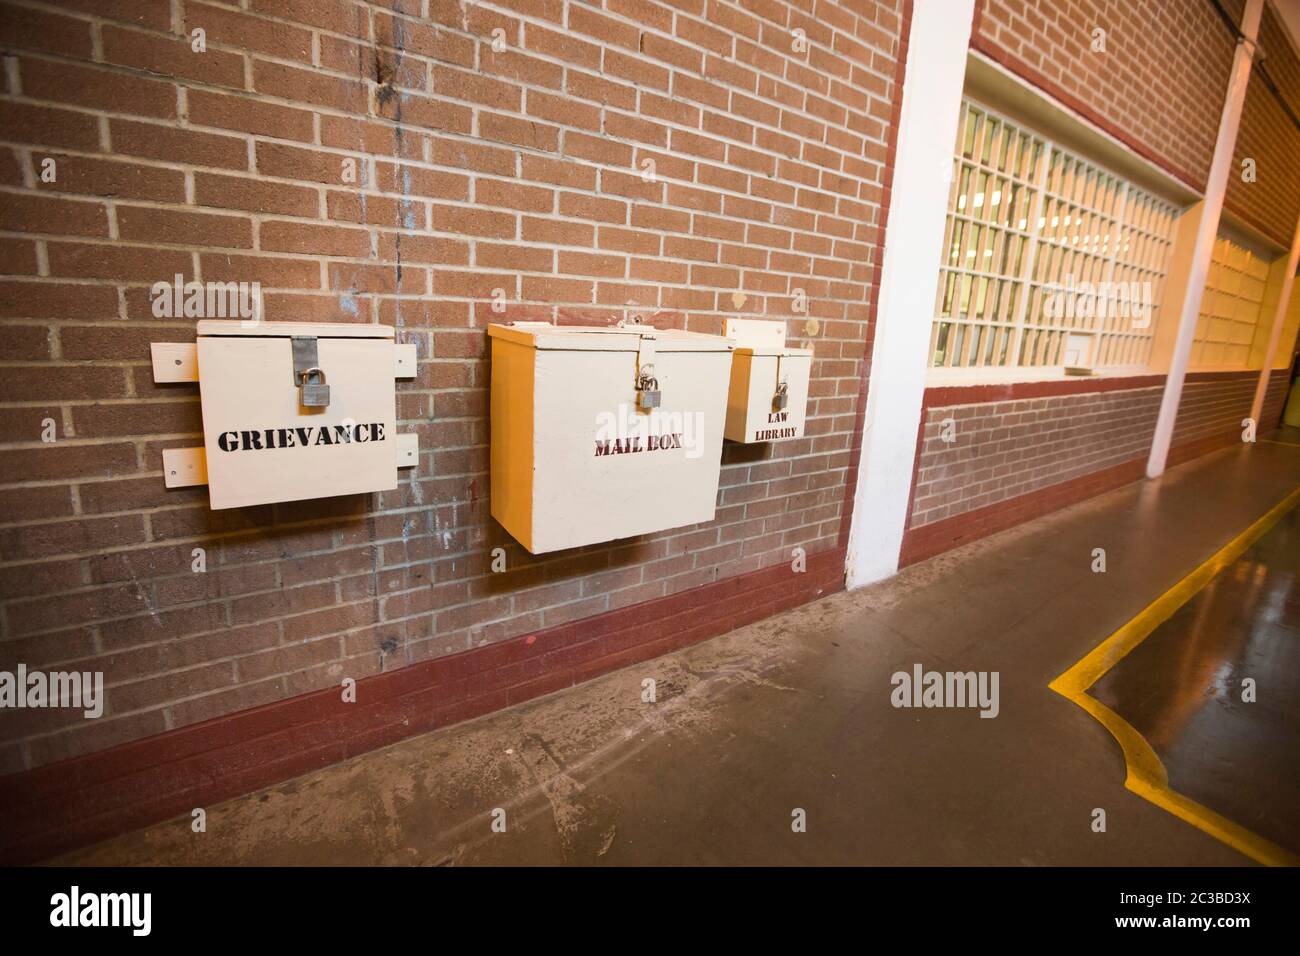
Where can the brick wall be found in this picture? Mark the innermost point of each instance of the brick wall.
(519, 170)
(1158, 86)
(1005, 449)
(1213, 407)
(1269, 136)
(1076, 443)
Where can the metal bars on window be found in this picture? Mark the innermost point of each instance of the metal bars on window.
(1041, 246)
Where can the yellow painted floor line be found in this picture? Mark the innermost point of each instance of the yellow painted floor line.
(1147, 776)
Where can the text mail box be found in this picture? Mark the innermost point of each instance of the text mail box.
(768, 396)
(290, 410)
(604, 433)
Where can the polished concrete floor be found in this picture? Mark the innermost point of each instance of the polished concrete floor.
(1230, 746)
(791, 719)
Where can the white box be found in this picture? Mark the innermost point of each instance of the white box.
(262, 445)
(760, 365)
(574, 460)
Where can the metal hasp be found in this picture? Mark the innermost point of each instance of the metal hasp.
(647, 386)
(307, 373)
(782, 397)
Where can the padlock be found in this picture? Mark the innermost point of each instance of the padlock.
(782, 397)
(647, 393)
(313, 394)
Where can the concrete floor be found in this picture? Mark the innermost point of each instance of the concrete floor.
(1181, 689)
(795, 713)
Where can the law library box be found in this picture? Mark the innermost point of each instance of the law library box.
(291, 410)
(768, 396)
(604, 433)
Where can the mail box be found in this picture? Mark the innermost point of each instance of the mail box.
(290, 410)
(768, 396)
(604, 433)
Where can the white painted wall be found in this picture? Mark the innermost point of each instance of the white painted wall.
(936, 69)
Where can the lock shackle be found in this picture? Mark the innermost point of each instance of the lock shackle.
(306, 373)
(645, 378)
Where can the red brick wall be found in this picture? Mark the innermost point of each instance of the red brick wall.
(1005, 449)
(1025, 446)
(516, 170)
(1158, 86)
(1270, 137)
(1213, 408)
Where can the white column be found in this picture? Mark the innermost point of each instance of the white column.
(1279, 320)
(909, 278)
(1205, 236)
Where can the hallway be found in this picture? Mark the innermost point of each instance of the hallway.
(794, 713)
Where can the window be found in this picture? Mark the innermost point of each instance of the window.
(1230, 307)
(1048, 259)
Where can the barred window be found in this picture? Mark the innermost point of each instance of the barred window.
(1048, 259)
(1230, 307)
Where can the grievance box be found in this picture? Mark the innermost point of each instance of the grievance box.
(768, 397)
(290, 410)
(604, 433)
